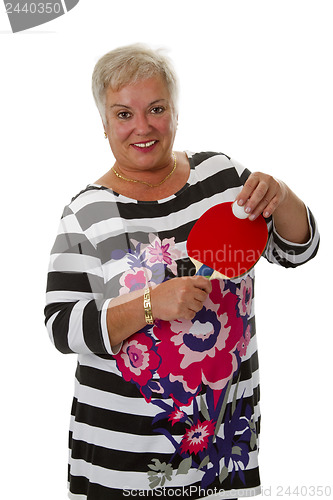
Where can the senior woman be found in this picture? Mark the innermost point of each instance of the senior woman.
(167, 390)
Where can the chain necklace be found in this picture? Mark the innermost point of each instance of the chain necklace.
(148, 183)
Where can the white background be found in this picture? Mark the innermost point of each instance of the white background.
(256, 84)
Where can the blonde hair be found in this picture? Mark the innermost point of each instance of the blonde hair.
(129, 64)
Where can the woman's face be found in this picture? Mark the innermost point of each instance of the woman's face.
(141, 124)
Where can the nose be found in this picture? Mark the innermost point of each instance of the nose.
(142, 125)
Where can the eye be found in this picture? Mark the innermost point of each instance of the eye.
(124, 115)
(157, 110)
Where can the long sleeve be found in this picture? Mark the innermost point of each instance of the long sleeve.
(288, 254)
(75, 312)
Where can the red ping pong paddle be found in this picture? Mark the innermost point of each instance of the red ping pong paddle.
(225, 246)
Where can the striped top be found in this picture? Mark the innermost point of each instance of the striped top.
(174, 409)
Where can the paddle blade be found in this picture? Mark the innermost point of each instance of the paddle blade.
(228, 245)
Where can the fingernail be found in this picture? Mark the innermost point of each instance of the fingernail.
(248, 210)
(252, 217)
(240, 202)
(266, 214)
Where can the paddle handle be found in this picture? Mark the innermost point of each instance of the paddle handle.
(205, 271)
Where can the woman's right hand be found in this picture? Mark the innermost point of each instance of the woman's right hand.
(179, 297)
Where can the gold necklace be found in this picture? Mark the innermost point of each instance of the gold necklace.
(148, 183)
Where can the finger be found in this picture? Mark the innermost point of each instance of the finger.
(189, 310)
(259, 208)
(195, 305)
(265, 192)
(202, 283)
(262, 197)
(276, 200)
(266, 207)
(200, 295)
(271, 207)
(260, 194)
(189, 315)
(248, 188)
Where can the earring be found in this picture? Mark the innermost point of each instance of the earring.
(105, 135)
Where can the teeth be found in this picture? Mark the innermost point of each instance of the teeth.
(145, 144)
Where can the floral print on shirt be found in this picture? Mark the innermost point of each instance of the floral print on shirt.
(179, 360)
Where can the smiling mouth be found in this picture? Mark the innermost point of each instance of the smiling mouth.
(144, 144)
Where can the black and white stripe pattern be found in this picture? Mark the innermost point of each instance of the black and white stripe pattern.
(112, 437)
(286, 254)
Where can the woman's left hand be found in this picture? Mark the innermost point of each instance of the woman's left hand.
(262, 193)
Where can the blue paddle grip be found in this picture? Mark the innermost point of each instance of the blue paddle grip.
(205, 271)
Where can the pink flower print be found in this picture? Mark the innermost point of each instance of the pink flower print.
(160, 253)
(247, 335)
(134, 279)
(187, 348)
(244, 342)
(137, 360)
(196, 438)
(163, 252)
(177, 416)
(245, 293)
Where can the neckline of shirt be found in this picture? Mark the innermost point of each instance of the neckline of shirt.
(121, 197)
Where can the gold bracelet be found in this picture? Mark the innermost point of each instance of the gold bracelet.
(147, 307)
